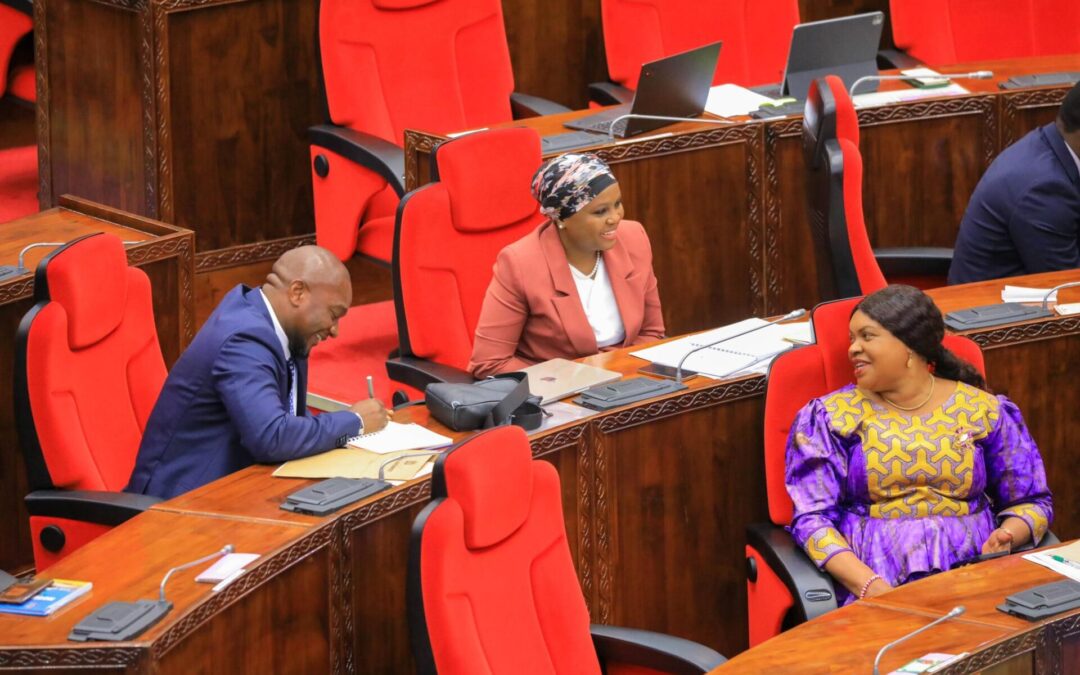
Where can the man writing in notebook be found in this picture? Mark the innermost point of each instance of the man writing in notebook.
(236, 396)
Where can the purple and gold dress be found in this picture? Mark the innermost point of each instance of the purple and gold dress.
(911, 495)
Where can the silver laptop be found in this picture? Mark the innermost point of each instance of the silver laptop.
(559, 378)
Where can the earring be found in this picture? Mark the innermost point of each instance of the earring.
(909, 355)
(560, 226)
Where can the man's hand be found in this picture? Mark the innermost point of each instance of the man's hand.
(999, 540)
(373, 413)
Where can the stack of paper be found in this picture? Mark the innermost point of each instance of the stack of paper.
(1064, 560)
(750, 353)
(879, 98)
(1026, 294)
(731, 100)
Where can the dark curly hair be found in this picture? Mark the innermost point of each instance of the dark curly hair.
(915, 320)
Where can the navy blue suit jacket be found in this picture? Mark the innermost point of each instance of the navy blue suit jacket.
(225, 405)
(1024, 217)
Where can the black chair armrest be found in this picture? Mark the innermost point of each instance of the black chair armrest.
(92, 506)
(895, 59)
(666, 653)
(24, 6)
(811, 588)
(526, 105)
(609, 93)
(372, 152)
(419, 373)
(914, 261)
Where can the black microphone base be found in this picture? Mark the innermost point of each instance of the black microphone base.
(120, 621)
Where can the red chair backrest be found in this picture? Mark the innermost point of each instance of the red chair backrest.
(756, 35)
(802, 374)
(943, 32)
(88, 367)
(449, 233)
(434, 65)
(845, 260)
(492, 587)
(14, 25)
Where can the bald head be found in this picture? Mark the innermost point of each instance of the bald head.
(310, 290)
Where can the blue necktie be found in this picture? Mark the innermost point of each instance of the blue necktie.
(292, 386)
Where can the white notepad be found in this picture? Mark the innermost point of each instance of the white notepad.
(750, 353)
(395, 437)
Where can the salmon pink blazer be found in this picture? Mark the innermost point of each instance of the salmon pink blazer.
(532, 311)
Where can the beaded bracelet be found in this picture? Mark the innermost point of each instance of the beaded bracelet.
(866, 586)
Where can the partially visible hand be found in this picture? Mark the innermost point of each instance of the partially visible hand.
(999, 540)
(877, 588)
(373, 413)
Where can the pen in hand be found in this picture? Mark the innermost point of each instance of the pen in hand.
(370, 387)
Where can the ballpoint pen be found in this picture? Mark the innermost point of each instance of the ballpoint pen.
(1064, 561)
(370, 387)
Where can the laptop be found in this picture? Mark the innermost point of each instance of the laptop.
(559, 378)
(674, 86)
(846, 46)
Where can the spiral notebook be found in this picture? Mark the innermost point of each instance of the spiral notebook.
(395, 437)
(751, 353)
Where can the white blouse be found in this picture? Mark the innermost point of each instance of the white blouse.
(598, 300)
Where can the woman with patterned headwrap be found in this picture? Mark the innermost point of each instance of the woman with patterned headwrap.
(581, 283)
(915, 467)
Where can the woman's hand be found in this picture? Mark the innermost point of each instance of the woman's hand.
(999, 540)
(877, 587)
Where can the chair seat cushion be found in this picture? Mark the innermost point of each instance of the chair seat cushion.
(376, 239)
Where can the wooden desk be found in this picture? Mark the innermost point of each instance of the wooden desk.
(848, 639)
(656, 495)
(275, 618)
(164, 252)
(725, 205)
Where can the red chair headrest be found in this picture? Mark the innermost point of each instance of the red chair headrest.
(401, 4)
(485, 172)
(490, 476)
(89, 278)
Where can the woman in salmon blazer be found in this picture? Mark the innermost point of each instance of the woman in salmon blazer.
(581, 283)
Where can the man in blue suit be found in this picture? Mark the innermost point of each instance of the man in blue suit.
(236, 395)
(1025, 214)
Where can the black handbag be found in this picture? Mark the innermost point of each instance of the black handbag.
(498, 400)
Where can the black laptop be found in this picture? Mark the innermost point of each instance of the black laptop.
(674, 86)
(846, 46)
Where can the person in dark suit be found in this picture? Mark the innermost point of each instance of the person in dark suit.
(1024, 217)
(236, 395)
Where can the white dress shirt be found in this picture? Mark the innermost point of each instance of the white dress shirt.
(598, 300)
(1073, 153)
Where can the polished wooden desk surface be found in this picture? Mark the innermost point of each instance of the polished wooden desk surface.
(129, 562)
(60, 225)
(952, 298)
(848, 639)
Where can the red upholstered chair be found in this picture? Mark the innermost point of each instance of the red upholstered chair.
(943, 32)
(448, 235)
(756, 35)
(16, 76)
(88, 369)
(846, 263)
(492, 587)
(391, 65)
(784, 587)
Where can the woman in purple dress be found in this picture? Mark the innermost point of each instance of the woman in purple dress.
(915, 467)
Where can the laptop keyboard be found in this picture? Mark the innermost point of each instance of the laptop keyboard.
(605, 127)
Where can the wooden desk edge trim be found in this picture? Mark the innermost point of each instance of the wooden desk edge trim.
(236, 518)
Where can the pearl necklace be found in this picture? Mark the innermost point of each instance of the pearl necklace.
(914, 407)
(595, 268)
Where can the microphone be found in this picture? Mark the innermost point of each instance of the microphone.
(9, 271)
(122, 621)
(953, 613)
(974, 75)
(662, 118)
(428, 453)
(787, 317)
(1055, 289)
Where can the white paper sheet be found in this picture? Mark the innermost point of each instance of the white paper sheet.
(1026, 294)
(878, 98)
(750, 353)
(395, 437)
(731, 100)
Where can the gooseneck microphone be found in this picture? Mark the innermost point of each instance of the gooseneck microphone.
(121, 621)
(662, 118)
(9, 271)
(953, 613)
(787, 317)
(1055, 289)
(225, 550)
(974, 75)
